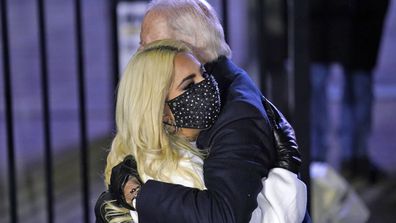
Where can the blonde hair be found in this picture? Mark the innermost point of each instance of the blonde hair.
(194, 22)
(141, 97)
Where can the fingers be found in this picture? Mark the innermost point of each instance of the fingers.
(131, 189)
(278, 116)
(270, 113)
(100, 211)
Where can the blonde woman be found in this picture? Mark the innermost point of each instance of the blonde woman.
(165, 99)
(145, 124)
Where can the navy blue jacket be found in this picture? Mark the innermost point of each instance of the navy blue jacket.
(241, 152)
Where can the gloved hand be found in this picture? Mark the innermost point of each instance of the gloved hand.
(122, 174)
(289, 156)
(100, 211)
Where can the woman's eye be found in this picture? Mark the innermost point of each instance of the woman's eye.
(189, 86)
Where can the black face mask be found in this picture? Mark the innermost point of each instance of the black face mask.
(199, 106)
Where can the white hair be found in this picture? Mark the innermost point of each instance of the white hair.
(194, 22)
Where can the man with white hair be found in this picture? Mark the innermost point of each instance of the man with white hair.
(240, 145)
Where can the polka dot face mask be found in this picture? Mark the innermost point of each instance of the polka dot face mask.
(199, 106)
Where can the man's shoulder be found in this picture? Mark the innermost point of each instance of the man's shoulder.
(241, 99)
(236, 86)
(243, 95)
(224, 70)
(239, 116)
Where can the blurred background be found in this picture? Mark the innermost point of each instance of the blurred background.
(328, 65)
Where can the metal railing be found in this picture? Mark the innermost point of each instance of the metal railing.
(46, 114)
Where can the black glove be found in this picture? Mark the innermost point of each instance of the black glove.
(100, 206)
(120, 174)
(289, 156)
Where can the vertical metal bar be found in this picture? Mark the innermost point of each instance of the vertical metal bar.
(115, 70)
(298, 53)
(115, 44)
(9, 115)
(224, 8)
(82, 111)
(46, 110)
(262, 62)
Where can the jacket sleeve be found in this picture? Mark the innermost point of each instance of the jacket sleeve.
(287, 206)
(240, 155)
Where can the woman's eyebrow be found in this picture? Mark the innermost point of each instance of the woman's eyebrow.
(191, 76)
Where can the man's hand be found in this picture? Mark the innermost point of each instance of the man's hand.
(289, 156)
(125, 182)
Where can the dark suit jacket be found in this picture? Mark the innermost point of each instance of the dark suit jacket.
(241, 152)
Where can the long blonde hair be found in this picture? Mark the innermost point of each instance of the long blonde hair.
(194, 22)
(141, 97)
